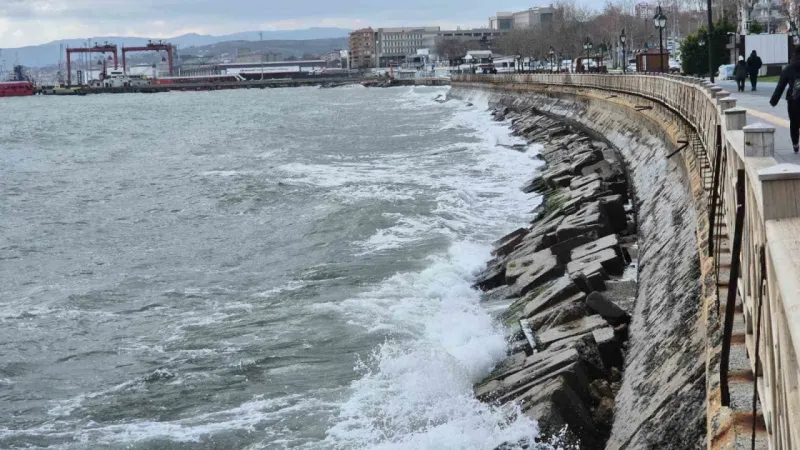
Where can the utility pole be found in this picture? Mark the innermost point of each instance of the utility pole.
(261, 52)
(710, 42)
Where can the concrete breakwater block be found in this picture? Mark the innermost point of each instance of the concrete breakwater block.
(553, 269)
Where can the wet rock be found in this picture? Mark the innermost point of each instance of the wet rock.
(538, 368)
(603, 415)
(584, 160)
(549, 224)
(558, 171)
(563, 250)
(493, 276)
(608, 346)
(604, 243)
(584, 194)
(571, 329)
(569, 309)
(497, 294)
(563, 288)
(607, 309)
(612, 208)
(581, 181)
(604, 169)
(586, 220)
(537, 184)
(556, 407)
(527, 273)
(589, 353)
(590, 278)
(506, 245)
(610, 261)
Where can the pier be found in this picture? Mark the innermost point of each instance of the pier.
(248, 84)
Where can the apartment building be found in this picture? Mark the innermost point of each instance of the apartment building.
(362, 49)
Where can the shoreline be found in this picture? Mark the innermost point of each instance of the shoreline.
(568, 275)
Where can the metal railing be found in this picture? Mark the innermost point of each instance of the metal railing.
(768, 275)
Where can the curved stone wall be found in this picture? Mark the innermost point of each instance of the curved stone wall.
(662, 401)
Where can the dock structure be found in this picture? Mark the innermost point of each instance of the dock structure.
(102, 49)
(745, 320)
(247, 84)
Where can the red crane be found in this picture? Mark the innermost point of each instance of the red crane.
(105, 48)
(150, 47)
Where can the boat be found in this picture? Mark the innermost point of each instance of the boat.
(16, 88)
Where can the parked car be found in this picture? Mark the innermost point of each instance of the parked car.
(674, 66)
(725, 71)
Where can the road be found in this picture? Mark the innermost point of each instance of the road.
(759, 111)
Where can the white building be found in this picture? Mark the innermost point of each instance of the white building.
(396, 44)
(528, 18)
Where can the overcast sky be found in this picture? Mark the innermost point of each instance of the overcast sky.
(31, 22)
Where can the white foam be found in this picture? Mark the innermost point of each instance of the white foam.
(415, 390)
(245, 416)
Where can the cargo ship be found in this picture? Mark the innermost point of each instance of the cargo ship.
(16, 88)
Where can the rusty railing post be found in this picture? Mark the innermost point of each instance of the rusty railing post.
(730, 307)
(712, 212)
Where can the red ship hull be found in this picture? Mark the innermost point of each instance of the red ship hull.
(16, 89)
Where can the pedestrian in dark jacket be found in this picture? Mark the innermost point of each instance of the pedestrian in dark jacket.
(740, 74)
(790, 81)
(753, 65)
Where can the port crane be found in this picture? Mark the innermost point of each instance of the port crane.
(151, 47)
(105, 48)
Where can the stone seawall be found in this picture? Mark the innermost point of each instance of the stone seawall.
(661, 402)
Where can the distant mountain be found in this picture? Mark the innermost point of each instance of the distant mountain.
(47, 54)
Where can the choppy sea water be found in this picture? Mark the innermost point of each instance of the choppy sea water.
(273, 269)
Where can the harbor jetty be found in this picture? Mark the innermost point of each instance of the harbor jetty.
(245, 84)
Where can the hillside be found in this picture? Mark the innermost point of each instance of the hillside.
(291, 42)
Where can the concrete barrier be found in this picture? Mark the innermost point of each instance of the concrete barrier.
(768, 286)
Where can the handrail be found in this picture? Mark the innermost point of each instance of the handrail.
(772, 221)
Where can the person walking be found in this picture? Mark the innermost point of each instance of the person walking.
(740, 74)
(753, 65)
(790, 78)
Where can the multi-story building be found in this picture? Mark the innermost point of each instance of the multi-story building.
(483, 38)
(771, 14)
(529, 18)
(502, 21)
(394, 45)
(474, 34)
(246, 55)
(363, 49)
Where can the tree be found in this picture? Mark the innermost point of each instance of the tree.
(694, 57)
(755, 27)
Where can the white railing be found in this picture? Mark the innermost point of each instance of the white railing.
(771, 225)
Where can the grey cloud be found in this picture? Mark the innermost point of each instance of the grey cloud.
(258, 10)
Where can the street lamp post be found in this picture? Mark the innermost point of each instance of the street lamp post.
(701, 41)
(588, 47)
(624, 57)
(261, 52)
(660, 21)
(710, 40)
(552, 54)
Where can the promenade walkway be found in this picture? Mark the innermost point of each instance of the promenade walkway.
(760, 111)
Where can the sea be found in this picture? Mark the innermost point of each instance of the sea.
(253, 269)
